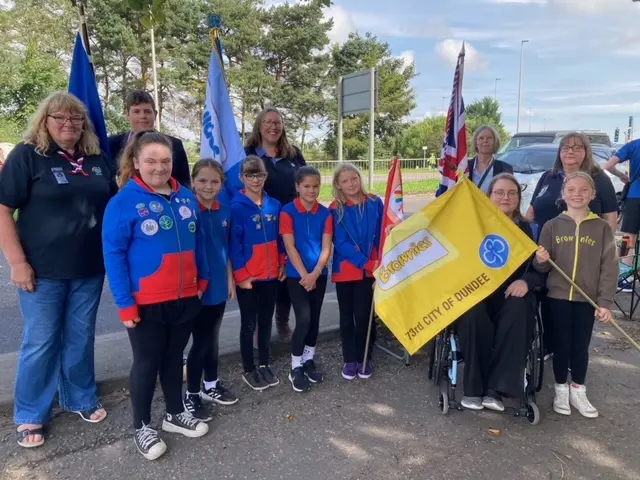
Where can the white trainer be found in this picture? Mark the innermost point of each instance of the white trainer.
(561, 400)
(579, 400)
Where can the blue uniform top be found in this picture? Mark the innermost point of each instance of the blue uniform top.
(631, 152)
(307, 228)
(216, 225)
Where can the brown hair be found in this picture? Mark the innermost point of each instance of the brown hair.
(285, 149)
(253, 164)
(133, 149)
(138, 97)
(37, 133)
(517, 214)
(207, 163)
(338, 196)
(588, 164)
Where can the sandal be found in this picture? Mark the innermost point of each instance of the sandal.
(86, 414)
(22, 435)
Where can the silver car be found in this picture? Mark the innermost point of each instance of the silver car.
(530, 162)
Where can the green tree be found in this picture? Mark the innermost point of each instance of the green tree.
(428, 132)
(485, 111)
(396, 96)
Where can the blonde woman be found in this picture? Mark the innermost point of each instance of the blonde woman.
(357, 219)
(61, 182)
(268, 140)
(483, 167)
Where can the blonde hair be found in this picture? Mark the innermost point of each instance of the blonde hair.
(252, 164)
(494, 132)
(285, 149)
(583, 175)
(517, 214)
(37, 133)
(338, 196)
(133, 149)
(588, 164)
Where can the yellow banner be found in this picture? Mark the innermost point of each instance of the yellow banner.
(443, 260)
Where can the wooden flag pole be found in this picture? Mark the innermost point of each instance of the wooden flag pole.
(367, 344)
(593, 304)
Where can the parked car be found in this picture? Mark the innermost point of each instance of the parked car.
(523, 139)
(530, 162)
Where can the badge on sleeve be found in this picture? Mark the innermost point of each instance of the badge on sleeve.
(149, 227)
(61, 178)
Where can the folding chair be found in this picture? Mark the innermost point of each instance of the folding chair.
(629, 276)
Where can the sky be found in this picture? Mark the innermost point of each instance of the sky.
(581, 66)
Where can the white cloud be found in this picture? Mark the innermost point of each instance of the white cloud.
(408, 57)
(342, 24)
(537, 2)
(449, 49)
(594, 6)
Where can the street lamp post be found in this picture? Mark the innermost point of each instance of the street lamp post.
(520, 83)
(424, 156)
(495, 90)
(530, 115)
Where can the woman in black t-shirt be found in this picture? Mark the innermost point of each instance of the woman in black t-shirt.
(59, 182)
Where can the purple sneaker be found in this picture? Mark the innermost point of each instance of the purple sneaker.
(349, 371)
(367, 371)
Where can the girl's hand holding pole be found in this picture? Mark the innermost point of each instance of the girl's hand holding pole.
(542, 255)
(604, 315)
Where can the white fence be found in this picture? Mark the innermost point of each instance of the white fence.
(413, 169)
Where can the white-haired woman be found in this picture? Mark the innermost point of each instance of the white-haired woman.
(268, 140)
(60, 182)
(484, 166)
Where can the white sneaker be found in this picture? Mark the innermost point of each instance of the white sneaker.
(561, 400)
(579, 400)
(472, 403)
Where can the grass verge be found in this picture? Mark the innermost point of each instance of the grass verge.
(408, 188)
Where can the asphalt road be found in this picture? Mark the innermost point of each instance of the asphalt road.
(108, 322)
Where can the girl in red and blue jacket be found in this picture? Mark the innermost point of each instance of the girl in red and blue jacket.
(157, 269)
(215, 219)
(357, 220)
(307, 232)
(257, 259)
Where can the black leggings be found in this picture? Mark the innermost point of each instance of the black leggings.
(203, 355)
(256, 309)
(572, 324)
(158, 343)
(283, 303)
(494, 338)
(354, 303)
(307, 307)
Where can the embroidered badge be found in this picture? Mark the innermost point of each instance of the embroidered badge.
(225, 224)
(166, 222)
(143, 212)
(140, 206)
(156, 207)
(149, 227)
(97, 170)
(192, 227)
(184, 212)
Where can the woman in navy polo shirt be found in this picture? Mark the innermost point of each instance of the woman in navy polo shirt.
(60, 183)
(574, 154)
(484, 166)
(268, 140)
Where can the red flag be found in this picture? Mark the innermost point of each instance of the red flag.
(393, 201)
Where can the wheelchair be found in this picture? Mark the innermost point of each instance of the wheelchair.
(445, 358)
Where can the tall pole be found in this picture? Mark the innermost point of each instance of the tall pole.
(84, 30)
(530, 115)
(372, 120)
(155, 77)
(340, 120)
(495, 90)
(443, 105)
(520, 86)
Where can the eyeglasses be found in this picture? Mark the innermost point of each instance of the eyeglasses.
(271, 123)
(75, 120)
(574, 148)
(255, 176)
(501, 194)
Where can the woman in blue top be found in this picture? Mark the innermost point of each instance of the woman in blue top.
(207, 179)
(307, 231)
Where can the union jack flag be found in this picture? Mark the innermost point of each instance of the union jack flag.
(454, 147)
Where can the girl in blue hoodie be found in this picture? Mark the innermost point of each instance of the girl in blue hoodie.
(257, 259)
(207, 180)
(157, 269)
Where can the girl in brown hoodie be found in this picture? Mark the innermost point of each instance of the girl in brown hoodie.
(583, 246)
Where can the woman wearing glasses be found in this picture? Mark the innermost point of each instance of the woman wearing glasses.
(495, 334)
(59, 182)
(268, 140)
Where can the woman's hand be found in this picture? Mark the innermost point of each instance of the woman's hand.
(542, 256)
(22, 276)
(132, 323)
(247, 284)
(518, 289)
(604, 315)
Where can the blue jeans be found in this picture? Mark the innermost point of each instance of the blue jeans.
(57, 351)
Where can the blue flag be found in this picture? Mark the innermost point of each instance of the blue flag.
(220, 139)
(82, 84)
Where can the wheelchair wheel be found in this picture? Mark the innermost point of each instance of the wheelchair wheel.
(444, 398)
(533, 413)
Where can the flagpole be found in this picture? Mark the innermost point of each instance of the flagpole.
(84, 29)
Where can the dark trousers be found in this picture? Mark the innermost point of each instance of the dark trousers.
(256, 310)
(158, 342)
(547, 327)
(354, 303)
(307, 307)
(283, 303)
(203, 356)
(494, 338)
(572, 324)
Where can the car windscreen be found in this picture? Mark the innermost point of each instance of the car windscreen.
(517, 142)
(530, 160)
